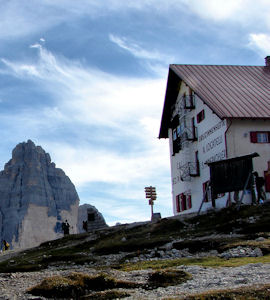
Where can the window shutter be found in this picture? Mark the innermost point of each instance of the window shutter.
(177, 204)
(183, 202)
(253, 137)
(189, 201)
(267, 182)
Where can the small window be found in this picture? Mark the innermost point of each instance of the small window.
(91, 217)
(260, 137)
(176, 133)
(200, 116)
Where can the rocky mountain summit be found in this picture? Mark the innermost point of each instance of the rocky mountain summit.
(35, 198)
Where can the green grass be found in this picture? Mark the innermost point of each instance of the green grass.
(212, 261)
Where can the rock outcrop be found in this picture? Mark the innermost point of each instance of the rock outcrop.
(35, 198)
(92, 216)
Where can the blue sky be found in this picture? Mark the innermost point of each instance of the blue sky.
(86, 81)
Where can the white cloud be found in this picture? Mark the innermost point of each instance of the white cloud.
(261, 41)
(216, 9)
(137, 50)
(85, 164)
(21, 69)
(99, 97)
(126, 107)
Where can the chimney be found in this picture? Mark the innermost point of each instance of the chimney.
(267, 61)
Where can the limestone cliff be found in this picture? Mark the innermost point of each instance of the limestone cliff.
(35, 197)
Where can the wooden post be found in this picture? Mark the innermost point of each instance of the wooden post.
(204, 196)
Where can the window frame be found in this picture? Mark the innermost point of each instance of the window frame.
(256, 137)
(200, 116)
(183, 202)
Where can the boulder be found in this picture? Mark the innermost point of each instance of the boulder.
(89, 214)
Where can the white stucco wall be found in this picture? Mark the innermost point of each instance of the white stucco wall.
(238, 142)
(211, 146)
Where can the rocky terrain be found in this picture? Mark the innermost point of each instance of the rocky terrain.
(221, 255)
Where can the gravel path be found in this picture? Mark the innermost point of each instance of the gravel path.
(14, 285)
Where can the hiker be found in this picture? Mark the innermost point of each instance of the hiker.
(65, 227)
(259, 183)
(85, 225)
(6, 245)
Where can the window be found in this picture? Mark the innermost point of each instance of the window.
(260, 137)
(183, 202)
(176, 131)
(91, 217)
(200, 116)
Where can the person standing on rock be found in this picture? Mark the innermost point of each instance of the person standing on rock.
(6, 245)
(65, 227)
(85, 225)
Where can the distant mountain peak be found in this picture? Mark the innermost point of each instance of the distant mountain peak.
(35, 197)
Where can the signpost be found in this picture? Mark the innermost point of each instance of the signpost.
(150, 193)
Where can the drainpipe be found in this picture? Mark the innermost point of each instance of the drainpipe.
(225, 136)
(226, 149)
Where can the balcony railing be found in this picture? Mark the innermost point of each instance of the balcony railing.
(190, 134)
(189, 101)
(188, 170)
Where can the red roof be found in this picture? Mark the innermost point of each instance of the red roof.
(230, 91)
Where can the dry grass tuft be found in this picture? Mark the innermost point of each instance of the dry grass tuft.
(168, 277)
(76, 285)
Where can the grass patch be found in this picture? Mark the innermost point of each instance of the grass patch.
(40, 258)
(140, 237)
(243, 293)
(211, 261)
(76, 284)
(168, 277)
(101, 286)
